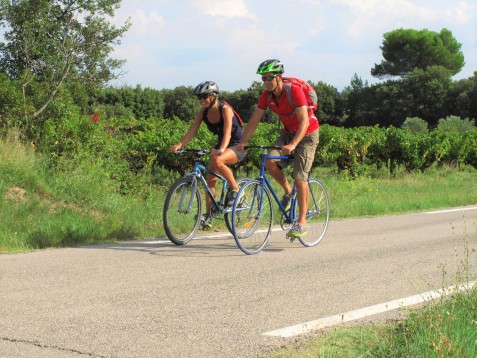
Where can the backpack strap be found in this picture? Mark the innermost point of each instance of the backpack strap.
(221, 106)
(287, 87)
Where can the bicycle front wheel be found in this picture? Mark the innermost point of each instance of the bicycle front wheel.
(318, 213)
(228, 212)
(182, 211)
(252, 217)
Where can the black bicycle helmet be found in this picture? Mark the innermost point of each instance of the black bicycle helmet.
(273, 65)
(206, 87)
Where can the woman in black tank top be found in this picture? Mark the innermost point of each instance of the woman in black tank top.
(222, 121)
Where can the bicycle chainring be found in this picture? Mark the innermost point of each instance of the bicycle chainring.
(214, 212)
(286, 225)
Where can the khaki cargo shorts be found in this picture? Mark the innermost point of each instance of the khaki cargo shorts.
(304, 153)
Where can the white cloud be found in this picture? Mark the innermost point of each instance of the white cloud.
(462, 13)
(378, 15)
(224, 8)
(151, 24)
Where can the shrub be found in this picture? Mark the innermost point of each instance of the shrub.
(456, 124)
(415, 125)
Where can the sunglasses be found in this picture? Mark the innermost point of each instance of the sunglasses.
(203, 96)
(268, 78)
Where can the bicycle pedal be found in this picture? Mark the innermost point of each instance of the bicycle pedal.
(291, 238)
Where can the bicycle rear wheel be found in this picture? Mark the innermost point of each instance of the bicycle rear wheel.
(182, 211)
(252, 217)
(318, 213)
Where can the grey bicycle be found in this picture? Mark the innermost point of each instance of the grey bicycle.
(182, 211)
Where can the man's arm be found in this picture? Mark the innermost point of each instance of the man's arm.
(251, 127)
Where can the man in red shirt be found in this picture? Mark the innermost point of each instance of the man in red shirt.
(300, 135)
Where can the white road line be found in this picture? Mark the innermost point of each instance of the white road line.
(450, 210)
(365, 312)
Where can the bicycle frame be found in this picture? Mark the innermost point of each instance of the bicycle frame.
(289, 216)
(198, 173)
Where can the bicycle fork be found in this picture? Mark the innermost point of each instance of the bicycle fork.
(185, 197)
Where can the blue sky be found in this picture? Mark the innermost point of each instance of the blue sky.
(184, 42)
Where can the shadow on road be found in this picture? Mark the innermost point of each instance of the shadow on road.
(206, 247)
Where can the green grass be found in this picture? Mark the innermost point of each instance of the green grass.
(41, 208)
(370, 196)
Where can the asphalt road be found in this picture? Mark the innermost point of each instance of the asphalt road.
(207, 299)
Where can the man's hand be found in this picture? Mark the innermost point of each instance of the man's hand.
(288, 149)
(240, 147)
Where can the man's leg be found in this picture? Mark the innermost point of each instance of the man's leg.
(278, 174)
(302, 195)
(304, 155)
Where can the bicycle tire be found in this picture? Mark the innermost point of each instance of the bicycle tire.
(181, 224)
(228, 213)
(318, 213)
(252, 218)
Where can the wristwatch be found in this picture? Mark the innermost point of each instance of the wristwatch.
(220, 150)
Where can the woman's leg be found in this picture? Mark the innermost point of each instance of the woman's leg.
(221, 164)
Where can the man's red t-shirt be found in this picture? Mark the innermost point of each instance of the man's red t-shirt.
(286, 111)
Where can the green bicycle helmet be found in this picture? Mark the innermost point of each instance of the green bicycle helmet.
(273, 65)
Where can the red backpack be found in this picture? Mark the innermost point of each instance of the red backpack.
(307, 89)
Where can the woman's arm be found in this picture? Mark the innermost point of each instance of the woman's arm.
(190, 133)
(227, 115)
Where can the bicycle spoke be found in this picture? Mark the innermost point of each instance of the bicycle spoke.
(318, 213)
(182, 211)
(252, 218)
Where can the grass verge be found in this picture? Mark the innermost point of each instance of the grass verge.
(41, 207)
(446, 327)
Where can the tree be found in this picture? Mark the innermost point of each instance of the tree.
(462, 98)
(407, 49)
(245, 101)
(426, 91)
(359, 103)
(330, 107)
(181, 103)
(57, 42)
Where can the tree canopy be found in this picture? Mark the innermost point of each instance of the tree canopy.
(54, 42)
(407, 49)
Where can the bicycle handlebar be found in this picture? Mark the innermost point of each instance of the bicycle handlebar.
(192, 150)
(262, 147)
(268, 147)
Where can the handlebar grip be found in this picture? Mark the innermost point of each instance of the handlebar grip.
(192, 150)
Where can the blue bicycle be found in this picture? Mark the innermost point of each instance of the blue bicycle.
(182, 211)
(252, 212)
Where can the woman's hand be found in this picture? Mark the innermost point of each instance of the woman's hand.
(176, 147)
(216, 152)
